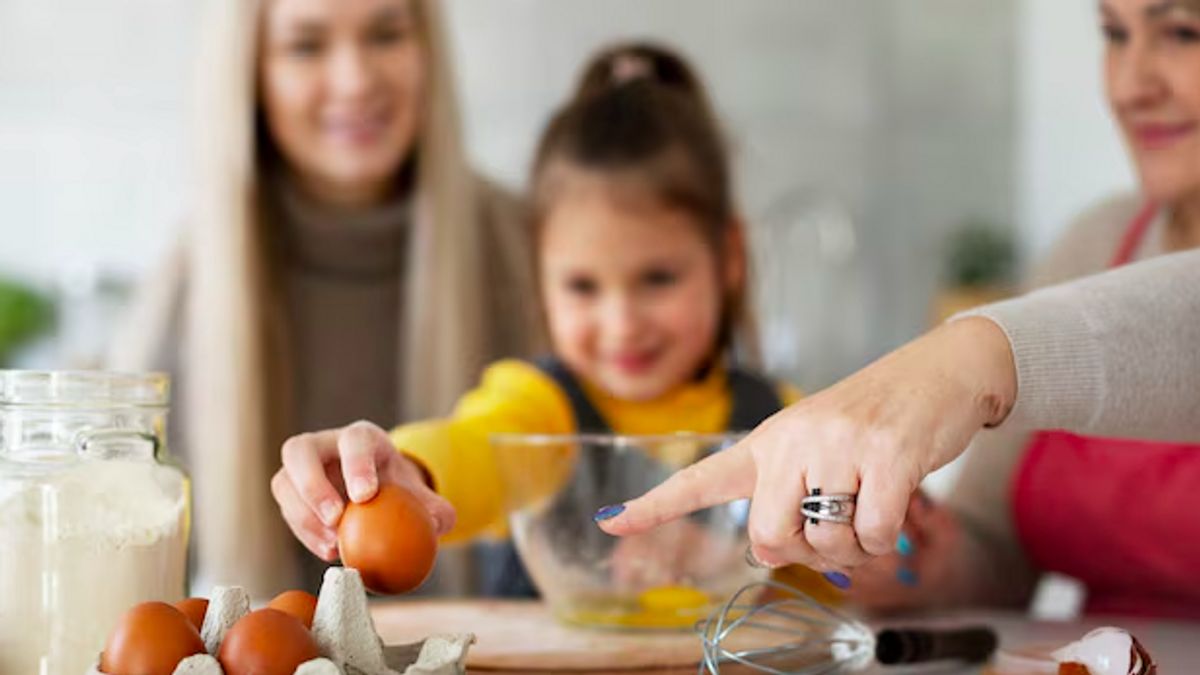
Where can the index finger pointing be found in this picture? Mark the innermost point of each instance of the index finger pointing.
(717, 479)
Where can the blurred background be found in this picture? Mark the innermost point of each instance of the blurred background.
(896, 159)
(872, 138)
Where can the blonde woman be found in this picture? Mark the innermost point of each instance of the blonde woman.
(337, 222)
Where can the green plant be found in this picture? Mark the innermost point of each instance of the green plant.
(24, 314)
(980, 254)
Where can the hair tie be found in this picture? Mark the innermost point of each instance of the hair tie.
(630, 67)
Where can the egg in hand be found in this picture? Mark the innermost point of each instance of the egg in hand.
(390, 539)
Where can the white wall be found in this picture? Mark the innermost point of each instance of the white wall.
(1070, 153)
(93, 95)
(899, 110)
(92, 100)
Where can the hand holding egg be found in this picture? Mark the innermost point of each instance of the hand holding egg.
(323, 470)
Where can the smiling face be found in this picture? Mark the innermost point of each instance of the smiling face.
(341, 85)
(633, 291)
(1152, 69)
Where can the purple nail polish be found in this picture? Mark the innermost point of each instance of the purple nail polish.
(607, 512)
(837, 579)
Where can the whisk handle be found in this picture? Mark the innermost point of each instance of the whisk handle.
(919, 645)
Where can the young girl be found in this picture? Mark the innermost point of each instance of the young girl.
(642, 268)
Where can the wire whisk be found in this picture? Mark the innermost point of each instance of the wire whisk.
(790, 633)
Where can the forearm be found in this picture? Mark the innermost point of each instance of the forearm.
(1115, 354)
(460, 466)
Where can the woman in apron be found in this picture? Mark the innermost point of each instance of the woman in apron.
(1114, 513)
(1110, 512)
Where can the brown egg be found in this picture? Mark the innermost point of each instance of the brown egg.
(150, 639)
(297, 603)
(266, 642)
(390, 540)
(194, 609)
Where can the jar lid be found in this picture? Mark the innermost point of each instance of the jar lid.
(71, 388)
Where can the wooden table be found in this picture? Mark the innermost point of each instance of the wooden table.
(520, 637)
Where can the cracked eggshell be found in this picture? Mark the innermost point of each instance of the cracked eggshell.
(1107, 651)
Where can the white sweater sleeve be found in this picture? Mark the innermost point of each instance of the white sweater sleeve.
(1114, 354)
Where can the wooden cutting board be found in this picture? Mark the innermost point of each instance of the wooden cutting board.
(524, 636)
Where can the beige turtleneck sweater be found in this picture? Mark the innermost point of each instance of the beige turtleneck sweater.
(343, 286)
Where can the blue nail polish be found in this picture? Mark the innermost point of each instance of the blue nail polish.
(906, 576)
(837, 579)
(607, 512)
(904, 545)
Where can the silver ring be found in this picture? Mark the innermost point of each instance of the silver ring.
(829, 508)
(752, 560)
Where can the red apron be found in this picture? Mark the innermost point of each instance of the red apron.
(1122, 516)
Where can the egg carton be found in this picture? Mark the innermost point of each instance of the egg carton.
(344, 632)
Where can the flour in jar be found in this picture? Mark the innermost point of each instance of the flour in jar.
(79, 545)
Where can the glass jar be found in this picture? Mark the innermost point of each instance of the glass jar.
(93, 517)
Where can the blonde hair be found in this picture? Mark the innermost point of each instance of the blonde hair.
(235, 359)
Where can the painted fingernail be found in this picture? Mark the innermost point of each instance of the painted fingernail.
(907, 576)
(361, 488)
(904, 545)
(330, 510)
(837, 579)
(608, 512)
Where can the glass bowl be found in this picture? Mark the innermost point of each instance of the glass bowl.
(665, 579)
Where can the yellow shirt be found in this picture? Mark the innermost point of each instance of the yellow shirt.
(517, 397)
